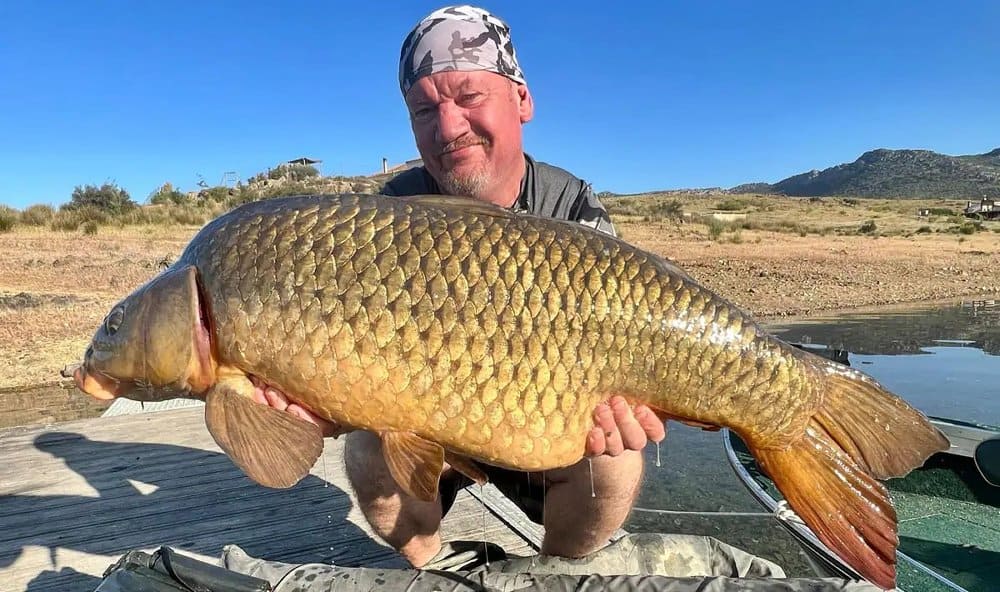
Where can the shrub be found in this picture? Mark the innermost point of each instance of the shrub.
(715, 228)
(92, 214)
(730, 205)
(8, 218)
(65, 220)
(941, 211)
(167, 194)
(90, 227)
(967, 228)
(217, 194)
(868, 227)
(188, 216)
(37, 215)
(108, 198)
(294, 172)
(924, 230)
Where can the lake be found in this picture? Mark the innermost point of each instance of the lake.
(942, 358)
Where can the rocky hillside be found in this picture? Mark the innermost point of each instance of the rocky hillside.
(896, 174)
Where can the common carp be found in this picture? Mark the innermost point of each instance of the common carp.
(456, 329)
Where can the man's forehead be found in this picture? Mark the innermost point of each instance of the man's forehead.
(434, 86)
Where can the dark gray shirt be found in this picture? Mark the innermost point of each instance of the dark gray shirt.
(546, 190)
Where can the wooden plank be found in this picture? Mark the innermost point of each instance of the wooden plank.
(76, 496)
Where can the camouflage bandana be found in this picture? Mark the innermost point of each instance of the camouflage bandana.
(463, 38)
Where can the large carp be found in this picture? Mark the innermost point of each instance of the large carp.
(456, 329)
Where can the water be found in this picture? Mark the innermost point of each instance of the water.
(943, 359)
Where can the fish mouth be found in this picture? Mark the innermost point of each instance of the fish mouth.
(102, 388)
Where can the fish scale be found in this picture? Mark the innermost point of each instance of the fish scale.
(519, 312)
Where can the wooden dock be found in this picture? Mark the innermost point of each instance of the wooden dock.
(76, 496)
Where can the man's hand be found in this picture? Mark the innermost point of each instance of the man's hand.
(619, 428)
(272, 397)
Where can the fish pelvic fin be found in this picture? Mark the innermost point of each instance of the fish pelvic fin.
(467, 467)
(882, 433)
(847, 509)
(414, 462)
(274, 448)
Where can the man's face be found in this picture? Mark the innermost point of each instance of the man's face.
(467, 126)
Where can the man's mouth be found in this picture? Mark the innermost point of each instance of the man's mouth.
(460, 147)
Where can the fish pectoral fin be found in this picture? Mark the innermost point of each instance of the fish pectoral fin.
(274, 448)
(705, 427)
(708, 427)
(415, 463)
(466, 466)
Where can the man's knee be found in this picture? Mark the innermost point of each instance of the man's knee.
(609, 476)
(366, 468)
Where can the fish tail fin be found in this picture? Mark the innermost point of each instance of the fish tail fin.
(882, 433)
(847, 509)
(859, 433)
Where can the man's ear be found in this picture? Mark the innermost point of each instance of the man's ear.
(525, 104)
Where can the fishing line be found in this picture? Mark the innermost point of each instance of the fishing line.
(482, 504)
(326, 476)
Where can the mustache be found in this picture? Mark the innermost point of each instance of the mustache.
(463, 142)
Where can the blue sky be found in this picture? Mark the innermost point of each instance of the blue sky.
(652, 96)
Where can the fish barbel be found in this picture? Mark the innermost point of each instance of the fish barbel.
(456, 329)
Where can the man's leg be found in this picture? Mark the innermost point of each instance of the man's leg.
(577, 524)
(409, 525)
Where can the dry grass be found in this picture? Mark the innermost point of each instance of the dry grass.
(822, 216)
(55, 288)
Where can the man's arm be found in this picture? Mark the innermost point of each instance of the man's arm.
(589, 211)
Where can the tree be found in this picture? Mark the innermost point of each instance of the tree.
(108, 198)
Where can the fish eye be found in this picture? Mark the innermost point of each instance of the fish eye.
(114, 320)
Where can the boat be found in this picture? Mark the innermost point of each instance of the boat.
(948, 510)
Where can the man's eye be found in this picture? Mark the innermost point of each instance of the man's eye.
(421, 113)
(468, 98)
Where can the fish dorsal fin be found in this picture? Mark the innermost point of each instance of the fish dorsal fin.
(274, 448)
(453, 202)
(415, 463)
(467, 467)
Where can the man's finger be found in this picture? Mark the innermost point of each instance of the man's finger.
(276, 399)
(651, 424)
(613, 443)
(258, 395)
(301, 413)
(632, 434)
(595, 442)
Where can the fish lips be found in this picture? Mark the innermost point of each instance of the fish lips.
(100, 387)
(106, 388)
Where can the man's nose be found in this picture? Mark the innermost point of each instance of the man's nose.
(452, 123)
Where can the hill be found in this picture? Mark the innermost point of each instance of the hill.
(887, 173)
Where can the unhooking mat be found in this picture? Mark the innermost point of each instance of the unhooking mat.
(638, 562)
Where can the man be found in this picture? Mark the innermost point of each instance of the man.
(468, 100)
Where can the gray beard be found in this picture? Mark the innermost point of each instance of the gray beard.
(473, 185)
